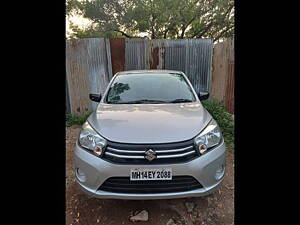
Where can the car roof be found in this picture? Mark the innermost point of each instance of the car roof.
(148, 71)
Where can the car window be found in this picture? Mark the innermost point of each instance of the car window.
(149, 88)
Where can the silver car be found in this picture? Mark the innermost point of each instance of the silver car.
(149, 138)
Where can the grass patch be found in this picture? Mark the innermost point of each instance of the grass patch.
(224, 119)
(74, 119)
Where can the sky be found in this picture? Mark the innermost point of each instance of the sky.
(83, 22)
(78, 20)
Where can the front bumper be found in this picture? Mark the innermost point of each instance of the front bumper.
(97, 170)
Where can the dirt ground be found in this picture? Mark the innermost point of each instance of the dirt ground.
(215, 209)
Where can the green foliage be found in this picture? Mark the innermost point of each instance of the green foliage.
(159, 19)
(74, 119)
(224, 119)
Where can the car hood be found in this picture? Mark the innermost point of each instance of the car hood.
(149, 123)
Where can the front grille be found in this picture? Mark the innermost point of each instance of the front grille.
(124, 185)
(135, 153)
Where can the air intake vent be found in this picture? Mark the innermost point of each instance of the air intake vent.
(124, 185)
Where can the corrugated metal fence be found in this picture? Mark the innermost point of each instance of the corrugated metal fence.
(88, 67)
(91, 63)
(192, 56)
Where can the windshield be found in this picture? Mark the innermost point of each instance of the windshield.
(149, 88)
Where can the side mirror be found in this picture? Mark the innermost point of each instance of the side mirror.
(95, 97)
(203, 96)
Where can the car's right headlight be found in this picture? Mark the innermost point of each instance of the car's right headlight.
(210, 137)
(91, 140)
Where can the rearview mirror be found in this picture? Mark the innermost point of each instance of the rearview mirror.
(203, 95)
(95, 97)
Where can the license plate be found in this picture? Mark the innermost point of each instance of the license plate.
(151, 174)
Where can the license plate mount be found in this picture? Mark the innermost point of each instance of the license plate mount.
(145, 174)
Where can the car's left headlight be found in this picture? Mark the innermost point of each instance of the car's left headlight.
(91, 140)
(209, 137)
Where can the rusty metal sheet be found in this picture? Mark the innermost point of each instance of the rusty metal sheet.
(91, 63)
(229, 94)
(97, 66)
(117, 49)
(155, 54)
(77, 76)
(219, 74)
(223, 74)
(192, 56)
(68, 108)
(87, 72)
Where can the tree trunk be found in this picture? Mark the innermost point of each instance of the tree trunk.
(182, 32)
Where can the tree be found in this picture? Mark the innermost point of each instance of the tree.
(159, 19)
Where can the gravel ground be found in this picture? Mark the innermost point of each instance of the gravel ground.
(215, 209)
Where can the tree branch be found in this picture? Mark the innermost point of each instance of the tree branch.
(206, 29)
(165, 33)
(203, 31)
(186, 25)
(222, 33)
(123, 33)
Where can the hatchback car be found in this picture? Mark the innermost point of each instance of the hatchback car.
(149, 138)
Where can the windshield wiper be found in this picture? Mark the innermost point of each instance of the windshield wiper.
(178, 100)
(142, 101)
